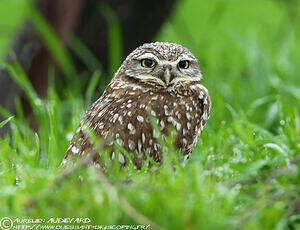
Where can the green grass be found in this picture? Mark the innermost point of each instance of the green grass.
(244, 172)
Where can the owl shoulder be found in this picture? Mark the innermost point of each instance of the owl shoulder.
(200, 91)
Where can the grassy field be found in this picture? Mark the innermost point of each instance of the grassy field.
(244, 172)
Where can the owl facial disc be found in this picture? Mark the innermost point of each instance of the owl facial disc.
(162, 64)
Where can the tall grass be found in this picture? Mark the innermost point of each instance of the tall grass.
(244, 172)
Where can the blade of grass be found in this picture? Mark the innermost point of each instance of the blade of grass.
(115, 37)
(92, 85)
(5, 121)
(53, 43)
(85, 55)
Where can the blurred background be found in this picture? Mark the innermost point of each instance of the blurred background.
(95, 35)
(57, 57)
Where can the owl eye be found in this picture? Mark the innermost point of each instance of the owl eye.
(184, 64)
(148, 63)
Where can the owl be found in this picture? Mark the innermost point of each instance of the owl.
(157, 80)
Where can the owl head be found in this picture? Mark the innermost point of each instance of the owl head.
(161, 63)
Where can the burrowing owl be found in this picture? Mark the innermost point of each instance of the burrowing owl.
(158, 79)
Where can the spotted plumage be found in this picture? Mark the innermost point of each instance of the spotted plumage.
(160, 80)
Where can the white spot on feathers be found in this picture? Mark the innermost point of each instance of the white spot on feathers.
(140, 118)
(156, 147)
(131, 144)
(178, 126)
(201, 95)
(153, 113)
(121, 159)
(171, 119)
(188, 116)
(188, 125)
(115, 117)
(150, 142)
(121, 120)
(139, 146)
(130, 126)
(100, 125)
(120, 142)
(75, 150)
(205, 116)
(143, 138)
(162, 124)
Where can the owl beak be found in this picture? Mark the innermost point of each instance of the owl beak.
(167, 73)
(167, 76)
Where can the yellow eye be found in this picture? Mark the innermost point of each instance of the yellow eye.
(148, 63)
(184, 64)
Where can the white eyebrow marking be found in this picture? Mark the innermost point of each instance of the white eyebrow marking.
(148, 55)
(163, 62)
(185, 57)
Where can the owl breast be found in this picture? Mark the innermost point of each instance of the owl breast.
(125, 113)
